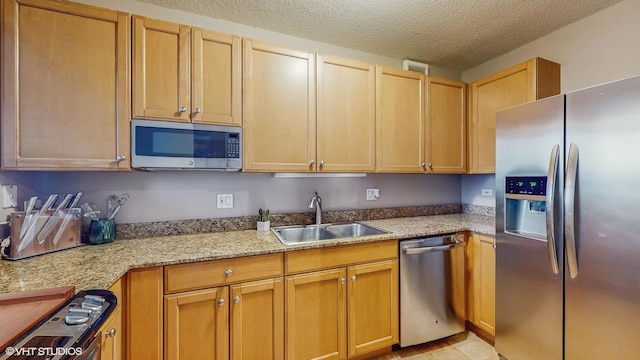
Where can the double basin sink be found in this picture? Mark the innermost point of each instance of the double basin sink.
(297, 234)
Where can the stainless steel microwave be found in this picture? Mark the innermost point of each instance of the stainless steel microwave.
(158, 145)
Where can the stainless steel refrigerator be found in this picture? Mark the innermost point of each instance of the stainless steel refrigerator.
(568, 226)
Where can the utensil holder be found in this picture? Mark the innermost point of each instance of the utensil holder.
(102, 231)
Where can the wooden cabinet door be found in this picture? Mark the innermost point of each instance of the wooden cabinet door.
(197, 324)
(161, 74)
(144, 311)
(481, 262)
(346, 115)
(487, 285)
(65, 76)
(446, 116)
(316, 315)
(373, 307)
(279, 109)
(257, 320)
(111, 346)
(535, 79)
(216, 93)
(399, 121)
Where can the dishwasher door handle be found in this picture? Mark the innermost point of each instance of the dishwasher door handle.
(421, 250)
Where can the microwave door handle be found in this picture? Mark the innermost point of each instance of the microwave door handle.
(569, 210)
(550, 202)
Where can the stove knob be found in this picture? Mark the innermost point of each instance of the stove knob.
(77, 316)
(93, 302)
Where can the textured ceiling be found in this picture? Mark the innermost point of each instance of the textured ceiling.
(452, 34)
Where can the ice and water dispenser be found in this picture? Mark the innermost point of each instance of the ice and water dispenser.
(525, 206)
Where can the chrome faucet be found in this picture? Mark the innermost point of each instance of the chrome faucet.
(316, 202)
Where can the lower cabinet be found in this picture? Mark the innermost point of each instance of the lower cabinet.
(481, 261)
(342, 312)
(332, 303)
(202, 324)
(111, 345)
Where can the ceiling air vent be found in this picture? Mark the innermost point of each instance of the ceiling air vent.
(415, 66)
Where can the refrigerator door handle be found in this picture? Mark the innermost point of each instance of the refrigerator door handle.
(569, 207)
(550, 202)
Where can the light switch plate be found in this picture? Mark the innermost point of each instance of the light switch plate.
(373, 194)
(224, 201)
(9, 196)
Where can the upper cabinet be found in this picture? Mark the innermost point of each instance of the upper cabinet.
(279, 109)
(346, 115)
(532, 80)
(185, 74)
(399, 121)
(446, 117)
(65, 86)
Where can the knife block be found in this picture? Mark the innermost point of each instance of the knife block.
(69, 237)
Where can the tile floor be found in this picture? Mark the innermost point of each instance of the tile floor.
(464, 346)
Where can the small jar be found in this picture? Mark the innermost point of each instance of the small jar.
(102, 231)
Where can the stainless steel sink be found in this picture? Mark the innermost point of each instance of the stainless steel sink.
(353, 230)
(296, 234)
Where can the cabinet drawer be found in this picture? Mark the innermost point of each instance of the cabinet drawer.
(207, 274)
(324, 258)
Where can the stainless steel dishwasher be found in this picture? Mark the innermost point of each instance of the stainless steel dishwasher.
(432, 288)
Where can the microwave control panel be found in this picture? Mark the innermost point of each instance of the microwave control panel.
(233, 146)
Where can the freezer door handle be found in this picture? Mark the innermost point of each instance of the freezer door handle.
(569, 210)
(551, 200)
(420, 250)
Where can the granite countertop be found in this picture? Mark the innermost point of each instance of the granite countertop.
(102, 265)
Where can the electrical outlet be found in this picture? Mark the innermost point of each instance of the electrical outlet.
(9, 196)
(224, 201)
(373, 194)
(487, 192)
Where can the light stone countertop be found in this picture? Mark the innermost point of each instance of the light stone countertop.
(102, 265)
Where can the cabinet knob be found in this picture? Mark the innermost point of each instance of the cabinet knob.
(343, 280)
(228, 272)
(353, 278)
(221, 302)
(120, 158)
(430, 166)
(236, 299)
(424, 165)
(182, 109)
(312, 162)
(110, 333)
(196, 110)
(321, 162)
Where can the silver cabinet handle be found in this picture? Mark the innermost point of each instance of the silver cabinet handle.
(228, 272)
(236, 299)
(424, 165)
(182, 109)
(112, 334)
(569, 209)
(120, 158)
(430, 165)
(353, 278)
(312, 162)
(196, 111)
(343, 281)
(221, 302)
(551, 200)
(321, 162)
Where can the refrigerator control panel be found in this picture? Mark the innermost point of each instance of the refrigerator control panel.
(526, 185)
